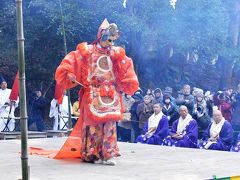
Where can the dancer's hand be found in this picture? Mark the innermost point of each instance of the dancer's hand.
(71, 77)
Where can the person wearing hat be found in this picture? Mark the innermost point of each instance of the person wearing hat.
(185, 98)
(139, 91)
(105, 72)
(169, 109)
(7, 108)
(200, 113)
(158, 96)
(169, 90)
(224, 105)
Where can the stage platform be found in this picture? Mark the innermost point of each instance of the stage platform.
(138, 162)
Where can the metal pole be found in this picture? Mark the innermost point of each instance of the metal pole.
(22, 91)
(65, 51)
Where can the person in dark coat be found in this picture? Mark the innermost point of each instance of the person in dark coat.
(225, 106)
(158, 96)
(185, 98)
(37, 106)
(169, 109)
(134, 117)
(144, 111)
(236, 110)
(200, 113)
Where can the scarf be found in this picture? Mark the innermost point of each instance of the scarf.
(214, 131)
(154, 120)
(216, 128)
(183, 123)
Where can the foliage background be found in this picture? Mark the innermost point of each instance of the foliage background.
(195, 43)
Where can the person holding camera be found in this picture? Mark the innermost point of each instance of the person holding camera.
(200, 113)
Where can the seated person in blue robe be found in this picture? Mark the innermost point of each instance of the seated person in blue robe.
(156, 127)
(236, 148)
(218, 135)
(184, 132)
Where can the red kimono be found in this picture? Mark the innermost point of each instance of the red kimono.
(104, 73)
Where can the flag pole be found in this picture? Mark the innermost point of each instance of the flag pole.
(22, 91)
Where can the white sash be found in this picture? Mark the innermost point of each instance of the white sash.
(214, 131)
(154, 120)
(182, 123)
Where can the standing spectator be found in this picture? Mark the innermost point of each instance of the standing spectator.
(144, 111)
(60, 113)
(169, 109)
(63, 112)
(225, 106)
(75, 112)
(37, 105)
(149, 92)
(124, 125)
(54, 113)
(185, 98)
(200, 113)
(134, 117)
(169, 91)
(236, 110)
(209, 101)
(7, 108)
(158, 96)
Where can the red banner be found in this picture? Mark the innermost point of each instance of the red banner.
(15, 88)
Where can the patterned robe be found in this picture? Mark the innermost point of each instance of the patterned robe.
(104, 74)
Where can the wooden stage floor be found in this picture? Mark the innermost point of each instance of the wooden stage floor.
(138, 162)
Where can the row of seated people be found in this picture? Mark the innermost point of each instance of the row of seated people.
(184, 131)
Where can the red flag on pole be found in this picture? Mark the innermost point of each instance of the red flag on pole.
(15, 88)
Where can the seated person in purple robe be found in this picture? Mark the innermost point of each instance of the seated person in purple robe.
(218, 135)
(184, 132)
(236, 148)
(156, 127)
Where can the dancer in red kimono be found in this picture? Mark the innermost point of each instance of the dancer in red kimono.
(104, 71)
